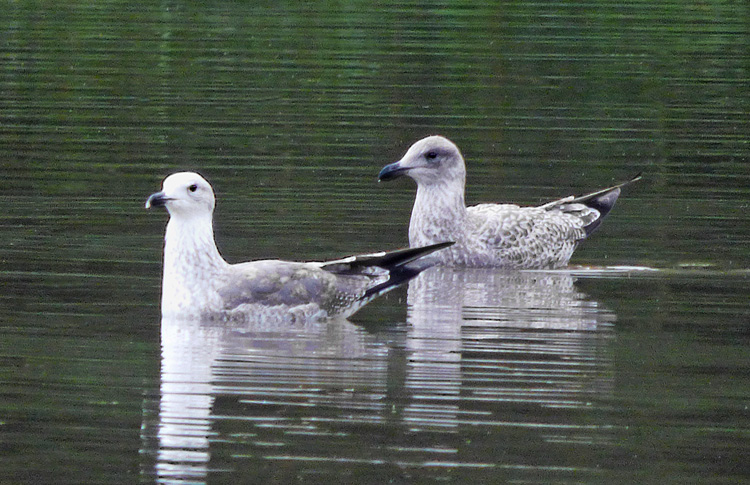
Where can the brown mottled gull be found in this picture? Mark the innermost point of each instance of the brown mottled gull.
(491, 235)
(199, 283)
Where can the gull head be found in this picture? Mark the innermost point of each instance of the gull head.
(430, 161)
(184, 194)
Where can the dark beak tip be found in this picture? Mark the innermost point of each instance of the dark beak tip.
(156, 200)
(391, 172)
(384, 177)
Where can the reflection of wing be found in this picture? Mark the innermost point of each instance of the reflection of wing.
(535, 299)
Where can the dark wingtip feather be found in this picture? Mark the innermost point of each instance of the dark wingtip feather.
(603, 201)
(389, 260)
(402, 257)
(603, 204)
(396, 277)
(397, 264)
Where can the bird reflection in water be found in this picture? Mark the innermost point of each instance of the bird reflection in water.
(480, 349)
(266, 368)
(504, 336)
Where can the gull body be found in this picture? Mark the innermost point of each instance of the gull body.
(198, 283)
(491, 235)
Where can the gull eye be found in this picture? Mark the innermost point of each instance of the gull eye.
(193, 188)
(431, 155)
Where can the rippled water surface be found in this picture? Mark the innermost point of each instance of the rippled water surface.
(607, 372)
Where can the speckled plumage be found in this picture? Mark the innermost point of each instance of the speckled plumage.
(199, 283)
(491, 235)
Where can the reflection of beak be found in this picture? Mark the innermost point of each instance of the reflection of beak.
(392, 171)
(158, 199)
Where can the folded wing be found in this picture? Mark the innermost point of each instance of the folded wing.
(336, 287)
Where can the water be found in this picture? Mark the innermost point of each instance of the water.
(587, 375)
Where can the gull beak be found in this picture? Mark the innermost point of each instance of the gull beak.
(158, 199)
(392, 171)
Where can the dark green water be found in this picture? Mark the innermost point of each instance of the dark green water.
(290, 111)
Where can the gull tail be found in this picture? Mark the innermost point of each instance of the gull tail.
(399, 269)
(593, 207)
(397, 264)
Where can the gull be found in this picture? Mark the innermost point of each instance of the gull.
(198, 283)
(491, 235)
